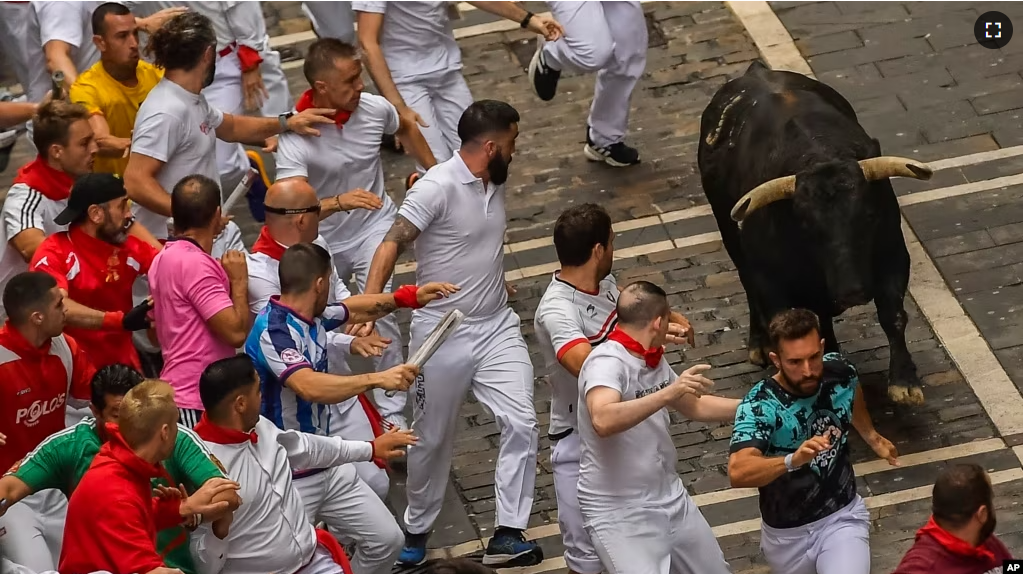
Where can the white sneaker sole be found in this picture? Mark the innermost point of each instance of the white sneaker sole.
(594, 155)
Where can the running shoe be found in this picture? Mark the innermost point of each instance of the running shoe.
(509, 548)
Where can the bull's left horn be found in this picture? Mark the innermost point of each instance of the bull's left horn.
(889, 166)
(762, 195)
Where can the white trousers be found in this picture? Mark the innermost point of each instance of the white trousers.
(13, 33)
(225, 94)
(339, 498)
(489, 356)
(440, 100)
(356, 261)
(580, 555)
(609, 38)
(669, 539)
(332, 20)
(836, 544)
(32, 531)
(349, 421)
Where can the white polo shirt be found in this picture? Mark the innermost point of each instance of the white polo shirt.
(416, 38)
(636, 466)
(69, 22)
(565, 318)
(178, 128)
(24, 208)
(462, 234)
(340, 160)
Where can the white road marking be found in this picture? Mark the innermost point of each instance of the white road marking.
(772, 38)
(974, 158)
(962, 189)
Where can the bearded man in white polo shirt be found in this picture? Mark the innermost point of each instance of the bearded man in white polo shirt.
(344, 167)
(635, 507)
(455, 214)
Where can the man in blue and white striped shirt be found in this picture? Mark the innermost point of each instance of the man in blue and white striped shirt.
(288, 345)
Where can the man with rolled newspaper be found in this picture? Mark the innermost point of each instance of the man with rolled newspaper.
(455, 215)
(288, 345)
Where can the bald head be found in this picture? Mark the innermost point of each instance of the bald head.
(640, 303)
(292, 212)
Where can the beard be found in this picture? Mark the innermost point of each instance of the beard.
(798, 386)
(497, 169)
(989, 528)
(210, 74)
(112, 234)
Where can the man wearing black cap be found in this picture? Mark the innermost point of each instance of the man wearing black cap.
(95, 263)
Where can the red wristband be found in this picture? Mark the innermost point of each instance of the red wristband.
(405, 297)
(113, 320)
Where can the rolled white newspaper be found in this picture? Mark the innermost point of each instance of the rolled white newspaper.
(451, 321)
(240, 190)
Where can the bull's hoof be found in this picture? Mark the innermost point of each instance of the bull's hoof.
(758, 356)
(904, 395)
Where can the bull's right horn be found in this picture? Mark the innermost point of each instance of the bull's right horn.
(890, 166)
(762, 195)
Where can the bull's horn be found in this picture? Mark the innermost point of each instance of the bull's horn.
(889, 166)
(762, 195)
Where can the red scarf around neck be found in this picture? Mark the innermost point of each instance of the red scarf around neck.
(306, 102)
(222, 435)
(268, 246)
(954, 544)
(651, 356)
(38, 175)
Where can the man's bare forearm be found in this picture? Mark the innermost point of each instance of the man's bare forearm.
(112, 146)
(14, 113)
(147, 192)
(83, 317)
(615, 417)
(382, 267)
(381, 74)
(754, 470)
(253, 131)
(325, 388)
(412, 137)
(364, 308)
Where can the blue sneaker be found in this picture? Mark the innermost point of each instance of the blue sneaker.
(509, 548)
(414, 552)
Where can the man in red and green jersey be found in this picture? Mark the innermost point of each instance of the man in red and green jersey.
(61, 460)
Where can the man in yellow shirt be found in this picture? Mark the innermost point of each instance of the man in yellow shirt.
(114, 88)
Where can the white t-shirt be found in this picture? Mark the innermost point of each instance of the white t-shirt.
(341, 160)
(69, 22)
(178, 128)
(462, 236)
(23, 209)
(416, 38)
(636, 466)
(566, 317)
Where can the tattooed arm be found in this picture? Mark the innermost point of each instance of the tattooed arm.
(401, 236)
(366, 308)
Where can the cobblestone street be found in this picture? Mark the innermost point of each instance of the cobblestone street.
(925, 88)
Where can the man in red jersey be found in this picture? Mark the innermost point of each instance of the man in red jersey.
(95, 263)
(39, 368)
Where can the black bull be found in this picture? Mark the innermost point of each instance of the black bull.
(806, 210)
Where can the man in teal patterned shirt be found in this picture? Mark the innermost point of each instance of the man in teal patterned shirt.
(61, 460)
(790, 441)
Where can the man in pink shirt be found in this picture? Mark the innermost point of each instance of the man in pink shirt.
(201, 305)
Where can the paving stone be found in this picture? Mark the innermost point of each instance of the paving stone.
(972, 241)
(816, 45)
(981, 259)
(1013, 364)
(991, 169)
(997, 102)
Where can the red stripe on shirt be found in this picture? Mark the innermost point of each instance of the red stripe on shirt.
(604, 328)
(568, 346)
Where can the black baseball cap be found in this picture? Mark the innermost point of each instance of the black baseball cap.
(90, 189)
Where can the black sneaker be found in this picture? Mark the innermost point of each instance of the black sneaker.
(617, 154)
(543, 78)
(508, 548)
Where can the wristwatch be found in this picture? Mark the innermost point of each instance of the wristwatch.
(283, 118)
(526, 21)
(789, 462)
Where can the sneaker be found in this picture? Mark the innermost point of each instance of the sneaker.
(617, 154)
(543, 78)
(258, 192)
(414, 552)
(509, 548)
(411, 180)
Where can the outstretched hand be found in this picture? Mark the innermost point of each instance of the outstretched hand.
(434, 291)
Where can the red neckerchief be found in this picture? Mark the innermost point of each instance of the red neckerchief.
(221, 435)
(954, 544)
(119, 450)
(38, 175)
(651, 356)
(266, 245)
(306, 102)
